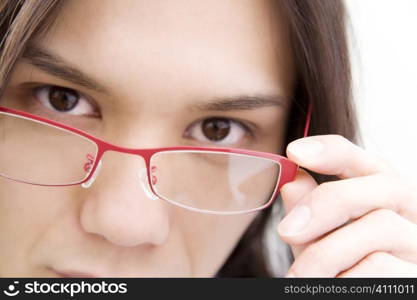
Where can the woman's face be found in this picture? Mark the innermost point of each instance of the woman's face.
(143, 74)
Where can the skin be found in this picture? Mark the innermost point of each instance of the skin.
(151, 61)
(111, 231)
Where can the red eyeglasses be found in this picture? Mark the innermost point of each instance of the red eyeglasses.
(38, 151)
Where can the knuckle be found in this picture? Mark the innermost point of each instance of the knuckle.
(383, 218)
(372, 265)
(380, 164)
(375, 259)
(389, 222)
(386, 180)
(405, 192)
(384, 165)
(384, 214)
(406, 188)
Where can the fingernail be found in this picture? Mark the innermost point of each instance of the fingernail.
(290, 275)
(305, 148)
(296, 221)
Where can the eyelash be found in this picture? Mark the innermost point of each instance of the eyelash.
(35, 89)
(242, 124)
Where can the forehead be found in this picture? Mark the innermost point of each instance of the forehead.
(215, 44)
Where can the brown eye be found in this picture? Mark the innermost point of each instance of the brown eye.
(216, 129)
(63, 99)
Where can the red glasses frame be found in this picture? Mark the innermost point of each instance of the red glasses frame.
(288, 168)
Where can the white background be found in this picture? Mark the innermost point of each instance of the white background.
(384, 57)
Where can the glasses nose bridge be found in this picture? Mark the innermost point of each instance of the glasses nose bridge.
(112, 157)
(144, 153)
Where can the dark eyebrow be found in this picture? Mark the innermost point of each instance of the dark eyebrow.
(56, 66)
(241, 102)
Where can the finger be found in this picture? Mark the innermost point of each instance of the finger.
(380, 230)
(381, 264)
(293, 192)
(332, 204)
(335, 155)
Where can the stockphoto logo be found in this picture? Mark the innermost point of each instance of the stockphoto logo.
(12, 289)
(71, 289)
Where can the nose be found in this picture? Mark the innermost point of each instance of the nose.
(118, 206)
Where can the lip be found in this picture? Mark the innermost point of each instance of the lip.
(73, 274)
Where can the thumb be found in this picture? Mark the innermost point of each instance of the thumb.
(291, 194)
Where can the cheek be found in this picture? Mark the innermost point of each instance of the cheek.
(31, 215)
(211, 238)
(26, 212)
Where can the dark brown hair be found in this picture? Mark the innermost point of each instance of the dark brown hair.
(319, 43)
(320, 46)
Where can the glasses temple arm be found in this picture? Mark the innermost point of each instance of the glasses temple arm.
(307, 126)
(308, 118)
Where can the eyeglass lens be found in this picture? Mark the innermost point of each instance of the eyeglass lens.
(35, 152)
